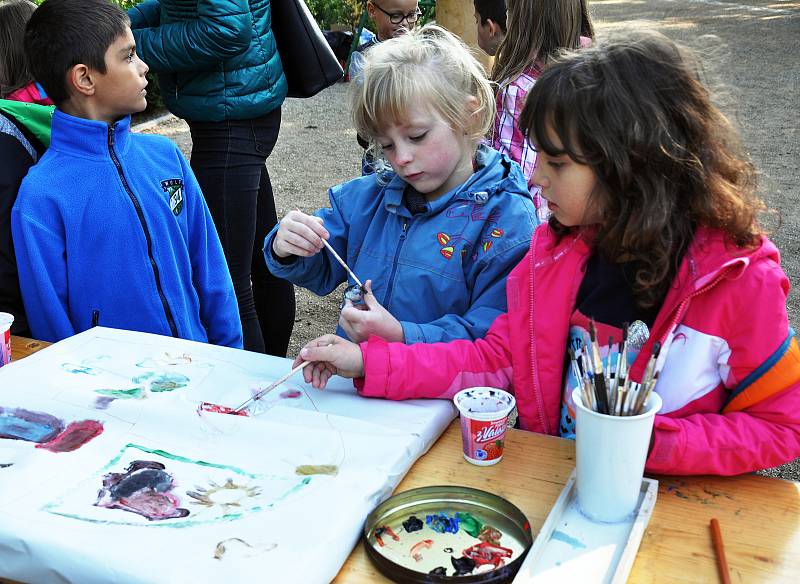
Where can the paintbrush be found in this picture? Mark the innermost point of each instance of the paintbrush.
(620, 370)
(588, 394)
(271, 386)
(576, 370)
(648, 390)
(341, 261)
(587, 372)
(647, 377)
(338, 259)
(579, 379)
(612, 394)
(632, 392)
(599, 376)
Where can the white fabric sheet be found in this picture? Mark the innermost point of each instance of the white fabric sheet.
(273, 524)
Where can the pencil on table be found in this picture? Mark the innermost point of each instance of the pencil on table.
(719, 549)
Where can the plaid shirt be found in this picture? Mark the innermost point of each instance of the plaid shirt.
(507, 137)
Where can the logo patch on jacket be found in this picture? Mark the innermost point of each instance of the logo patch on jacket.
(174, 189)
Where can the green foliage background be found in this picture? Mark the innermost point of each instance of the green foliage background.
(335, 12)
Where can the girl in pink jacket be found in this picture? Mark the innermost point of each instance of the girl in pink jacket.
(654, 219)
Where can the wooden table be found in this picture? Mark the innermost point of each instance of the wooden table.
(759, 516)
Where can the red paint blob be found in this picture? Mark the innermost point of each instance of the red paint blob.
(74, 436)
(218, 409)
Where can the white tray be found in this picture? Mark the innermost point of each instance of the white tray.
(571, 548)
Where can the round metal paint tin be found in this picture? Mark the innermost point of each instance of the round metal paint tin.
(410, 556)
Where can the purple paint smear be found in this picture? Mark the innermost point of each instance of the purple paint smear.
(46, 430)
(144, 488)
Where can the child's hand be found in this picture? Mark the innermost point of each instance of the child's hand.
(374, 319)
(330, 355)
(299, 234)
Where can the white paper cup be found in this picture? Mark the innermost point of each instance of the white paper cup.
(611, 453)
(5, 337)
(484, 420)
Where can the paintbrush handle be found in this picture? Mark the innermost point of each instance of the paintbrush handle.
(341, 261)
(272, 386)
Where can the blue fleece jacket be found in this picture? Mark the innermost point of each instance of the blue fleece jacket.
(442, 272)
(111, 228)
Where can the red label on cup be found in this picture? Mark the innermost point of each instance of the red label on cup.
(5, 348)
(484, 440)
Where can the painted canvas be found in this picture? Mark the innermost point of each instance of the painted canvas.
(109, 464)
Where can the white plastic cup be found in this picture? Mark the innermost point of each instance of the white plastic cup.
(484, 421)
(611, 453)
(5, 337)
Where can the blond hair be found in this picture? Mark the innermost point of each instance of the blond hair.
(425, 66)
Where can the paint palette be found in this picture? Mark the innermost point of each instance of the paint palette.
(447, 534)
(572, 548)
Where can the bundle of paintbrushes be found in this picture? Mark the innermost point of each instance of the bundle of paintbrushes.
(609, 389)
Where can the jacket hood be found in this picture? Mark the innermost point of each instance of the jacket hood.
(36, 118)
(495, 173)
(712, 253)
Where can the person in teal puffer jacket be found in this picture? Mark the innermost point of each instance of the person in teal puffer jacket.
(218, 68)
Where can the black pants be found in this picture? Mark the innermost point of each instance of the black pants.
(229, 160)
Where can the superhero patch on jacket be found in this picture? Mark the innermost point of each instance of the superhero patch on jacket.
(174, 189)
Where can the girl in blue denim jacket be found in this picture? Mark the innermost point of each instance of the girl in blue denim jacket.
(434, 237)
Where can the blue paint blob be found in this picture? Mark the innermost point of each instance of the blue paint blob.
(21, 424)
(77, 369)
(568, 539)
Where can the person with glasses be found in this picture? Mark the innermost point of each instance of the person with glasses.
(392, 18)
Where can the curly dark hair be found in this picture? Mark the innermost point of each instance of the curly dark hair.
(666, 159)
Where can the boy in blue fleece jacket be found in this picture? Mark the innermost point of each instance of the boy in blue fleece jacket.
(110, 227)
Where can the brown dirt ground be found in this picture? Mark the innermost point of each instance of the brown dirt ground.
(750, 58)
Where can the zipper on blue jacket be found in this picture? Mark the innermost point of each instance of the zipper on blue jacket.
(171, 321)
(389, 288)
(95, 318)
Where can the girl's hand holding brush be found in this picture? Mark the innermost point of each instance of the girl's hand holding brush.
(300, 235)
(330, 355)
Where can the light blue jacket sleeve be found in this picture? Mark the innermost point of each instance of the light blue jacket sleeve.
(320, 273)
(42, 267)
(222, 29)
(219, 310)
(488, 286)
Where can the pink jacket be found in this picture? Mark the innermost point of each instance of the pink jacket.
(731, 376)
